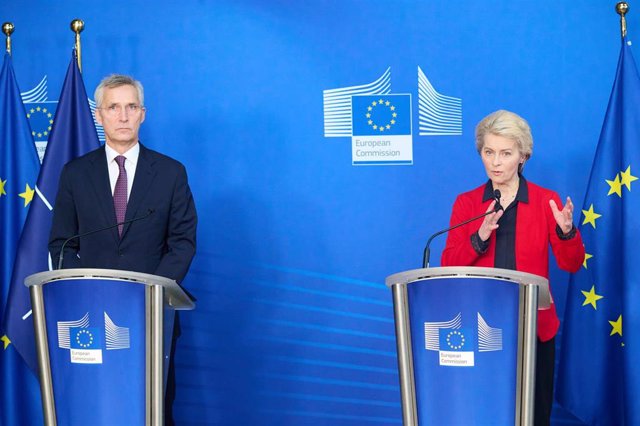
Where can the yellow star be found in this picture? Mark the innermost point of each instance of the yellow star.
(27, 195)
(590, 297)
(392, 108)
(380, 101)
(616, 326)
(367, 115)
(587, 256)
(38, 109)
(44, 110)
(388, 126)
(627, 178)
(382, 128)
(369, 108)
(615, 187)
(370, 122)
(374, 103)
(2, 184)
(32, 110)
(6, 341)
(375, 127)
(590, 216)
(387, 103)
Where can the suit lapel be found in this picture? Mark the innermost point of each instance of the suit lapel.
(99, 177)
(145, 174)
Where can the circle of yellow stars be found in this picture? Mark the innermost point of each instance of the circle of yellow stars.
(384, 104)
(461, 337)
(621, 180)
(49, 115)
(88, 336)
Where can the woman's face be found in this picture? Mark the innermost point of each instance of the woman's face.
(501, 158)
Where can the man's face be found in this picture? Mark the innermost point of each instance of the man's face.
(121, 115)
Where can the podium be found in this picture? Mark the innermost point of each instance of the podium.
(466, 343)
(103, 341)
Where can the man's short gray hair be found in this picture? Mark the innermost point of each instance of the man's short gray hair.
(117, 80)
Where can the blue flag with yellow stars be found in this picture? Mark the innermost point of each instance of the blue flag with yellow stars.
(599, 373)
(19, 391)
(73, 134)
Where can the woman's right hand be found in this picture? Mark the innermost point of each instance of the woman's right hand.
(490, 222)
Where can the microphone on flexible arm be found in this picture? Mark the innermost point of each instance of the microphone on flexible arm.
(496, 196)
(84, 234)
(425, 257)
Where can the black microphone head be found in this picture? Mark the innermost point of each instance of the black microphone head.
(496, 196)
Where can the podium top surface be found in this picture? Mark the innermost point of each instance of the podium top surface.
(406, 277)
(174, 295)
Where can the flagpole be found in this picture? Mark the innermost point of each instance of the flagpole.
(622, 8)
(7, 29)
(77, 25)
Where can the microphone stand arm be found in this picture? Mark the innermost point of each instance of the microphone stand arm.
(427, 252)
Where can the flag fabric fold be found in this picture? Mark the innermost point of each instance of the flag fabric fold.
(599, 375)
(19, 164)
(73, 134)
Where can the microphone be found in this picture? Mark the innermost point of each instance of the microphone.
(496, 196)
(84, 234)
(496, 208)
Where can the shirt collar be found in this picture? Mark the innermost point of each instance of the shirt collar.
(132, 154)
(522, 195)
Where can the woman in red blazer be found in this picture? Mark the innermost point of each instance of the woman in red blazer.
(518, 236)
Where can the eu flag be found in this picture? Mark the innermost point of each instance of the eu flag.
(19, 391)
(73, 134)
(381, 115)
(599, 375)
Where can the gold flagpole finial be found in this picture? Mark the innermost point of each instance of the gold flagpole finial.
(7, 29)
(622, 8)
(77, 25)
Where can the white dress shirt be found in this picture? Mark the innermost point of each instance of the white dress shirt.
(129, 165)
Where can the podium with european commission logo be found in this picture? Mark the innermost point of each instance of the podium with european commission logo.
(103, 341)
(466, 342)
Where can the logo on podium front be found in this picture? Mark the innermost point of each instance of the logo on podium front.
(456, 345)
(86, 343)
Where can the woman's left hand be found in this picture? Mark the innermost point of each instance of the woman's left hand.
(563, 218)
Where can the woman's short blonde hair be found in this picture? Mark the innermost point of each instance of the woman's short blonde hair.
(509, 125)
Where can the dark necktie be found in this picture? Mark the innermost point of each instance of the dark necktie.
(120, 193)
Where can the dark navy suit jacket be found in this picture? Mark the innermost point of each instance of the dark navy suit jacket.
(162, 243)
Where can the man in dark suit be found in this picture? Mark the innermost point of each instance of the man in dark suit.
(121, 181)
(163, 242)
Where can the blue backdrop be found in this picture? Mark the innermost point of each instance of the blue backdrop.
(294, 324)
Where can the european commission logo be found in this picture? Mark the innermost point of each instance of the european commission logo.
(86, 343)
(366, 114)
(381, 129)
(456, 345)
